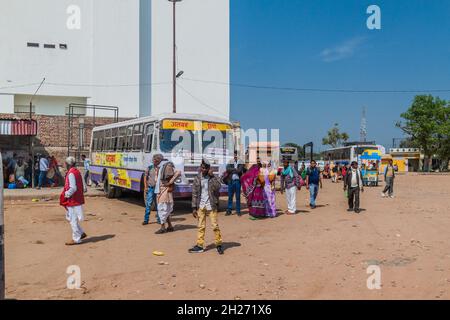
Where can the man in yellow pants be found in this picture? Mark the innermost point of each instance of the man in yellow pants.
(205, 199)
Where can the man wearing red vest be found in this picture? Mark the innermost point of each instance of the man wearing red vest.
(72, 199)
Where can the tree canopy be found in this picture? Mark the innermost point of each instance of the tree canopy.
(427, 124)
(334, 137)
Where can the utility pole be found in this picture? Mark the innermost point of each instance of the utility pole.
(174, 63)
(2, 246)
(31, 142)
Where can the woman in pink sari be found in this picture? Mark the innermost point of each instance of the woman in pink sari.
(268, 174)
(253, 191)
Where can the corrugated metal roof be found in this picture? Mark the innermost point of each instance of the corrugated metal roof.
(13, 127)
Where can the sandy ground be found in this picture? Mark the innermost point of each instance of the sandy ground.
(320, 254)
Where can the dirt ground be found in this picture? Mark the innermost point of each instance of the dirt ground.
(320, 254)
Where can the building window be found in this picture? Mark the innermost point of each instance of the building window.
(63, 46)
(24, 109)
(32, 45)
(49, 46)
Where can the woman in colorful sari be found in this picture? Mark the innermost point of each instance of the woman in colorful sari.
(253, 191)
(268, 176)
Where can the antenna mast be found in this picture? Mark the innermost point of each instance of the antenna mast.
(363, 130)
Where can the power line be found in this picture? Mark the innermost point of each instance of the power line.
(106, 85)
(55, 84)
(20, 86)
(252, 86)
(201, 102)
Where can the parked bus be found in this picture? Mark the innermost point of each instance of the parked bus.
(347, 154)
(121, 152)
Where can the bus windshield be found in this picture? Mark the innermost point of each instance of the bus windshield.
(183, 135)
(176, 140)
(214, 142)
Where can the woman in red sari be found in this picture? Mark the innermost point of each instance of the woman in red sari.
(253, 190)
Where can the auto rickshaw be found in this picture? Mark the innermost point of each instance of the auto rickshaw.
(370, 161)
(370, 177)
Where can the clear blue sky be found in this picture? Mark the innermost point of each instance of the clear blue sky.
(326, 44)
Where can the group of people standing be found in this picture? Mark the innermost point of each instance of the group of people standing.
(18, 172)
(257, 184)
(46, 171)
(159, 182)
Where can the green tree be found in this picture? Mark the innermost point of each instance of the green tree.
(408, 143)
(426, 122)
(334, 137)
(443, 136)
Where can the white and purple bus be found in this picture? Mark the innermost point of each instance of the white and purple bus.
(121, 152)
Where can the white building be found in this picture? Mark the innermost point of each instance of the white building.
(113, 52)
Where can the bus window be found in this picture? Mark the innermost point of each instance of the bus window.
(137, 137)
(129, 139)
(176, 139)
(114, 139)
(121, 139)
(214, 141)
(149, 129)
(107, 141)
(100, 141)
(95, 141)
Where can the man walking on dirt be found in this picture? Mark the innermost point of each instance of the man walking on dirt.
(389, 176)
(165, 176)
(353, 184)
(313, 181)
(205, 196)
(235, 169)
(72, 199)
(149, 192)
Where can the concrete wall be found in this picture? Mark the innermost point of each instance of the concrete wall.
(203, 53)
(45, 105)
(6, 103)
(44, 22)
(115, 61)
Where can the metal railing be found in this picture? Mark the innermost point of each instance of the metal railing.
(79, 129)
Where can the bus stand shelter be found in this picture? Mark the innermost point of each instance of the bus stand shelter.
(17, 137)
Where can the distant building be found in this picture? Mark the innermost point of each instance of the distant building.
(266, 151)
(407, 159)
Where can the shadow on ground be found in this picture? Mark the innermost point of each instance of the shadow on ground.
(225, 246)
(99, 238)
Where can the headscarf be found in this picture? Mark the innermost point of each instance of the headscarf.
(248, 180)
(288, 171)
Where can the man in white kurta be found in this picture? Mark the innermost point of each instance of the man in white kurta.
(73, 199)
